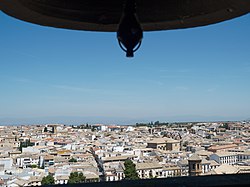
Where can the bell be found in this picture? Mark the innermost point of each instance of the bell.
(106, 15)
(129, 33)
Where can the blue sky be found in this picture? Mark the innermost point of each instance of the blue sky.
(192, 74)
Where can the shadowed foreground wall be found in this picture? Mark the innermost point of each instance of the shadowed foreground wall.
(242, 180)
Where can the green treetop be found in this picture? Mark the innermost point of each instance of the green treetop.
(72, 160)
(130, 170)
(76, 177)
(49, 180)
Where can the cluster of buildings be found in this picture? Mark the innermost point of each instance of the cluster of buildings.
(29, 153)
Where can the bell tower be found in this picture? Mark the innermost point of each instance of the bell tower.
(194, 165)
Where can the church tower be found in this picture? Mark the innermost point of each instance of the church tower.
(194, 165)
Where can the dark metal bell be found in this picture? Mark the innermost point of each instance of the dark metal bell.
(105, 15)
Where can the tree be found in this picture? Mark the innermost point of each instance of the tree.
(93, 128)
(76, 177)
(25, 144)
(157, 123)
(130, 170)
(28, 143)
(72, 160)
(226, 126)
(21, 147)
(53, 130)
(49, 180)
(33, 166)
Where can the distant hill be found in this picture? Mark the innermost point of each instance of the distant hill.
(77, 120)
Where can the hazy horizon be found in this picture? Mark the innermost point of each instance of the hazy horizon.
(77, 120)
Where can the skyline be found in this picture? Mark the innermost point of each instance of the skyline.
(192, 72)
(78, 120)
